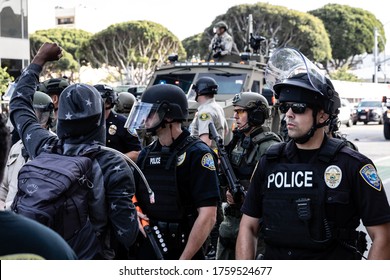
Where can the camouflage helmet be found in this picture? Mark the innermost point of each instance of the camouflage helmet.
(107, 93)
(221, 24)
(254, 102)
(44, 108)
(125, 102)
(53, 86)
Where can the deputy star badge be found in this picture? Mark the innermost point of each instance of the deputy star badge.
(332, 176)
(369, 174)
(204, 117)
(208, 161)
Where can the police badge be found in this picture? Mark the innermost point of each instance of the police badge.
(333, 176)
(112, 129)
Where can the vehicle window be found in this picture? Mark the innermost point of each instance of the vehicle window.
(227, 83)
(184, 81)
(256, 86)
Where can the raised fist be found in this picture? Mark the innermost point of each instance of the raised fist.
(48, 52)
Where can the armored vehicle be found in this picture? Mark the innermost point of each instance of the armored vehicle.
(232, 77)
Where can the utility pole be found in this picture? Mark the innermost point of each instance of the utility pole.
(375, 55)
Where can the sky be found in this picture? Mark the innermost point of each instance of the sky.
(182, 17)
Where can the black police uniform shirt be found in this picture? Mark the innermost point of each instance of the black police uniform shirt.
(112, 214)
(23, 238)
(353, 189)
(117, 137)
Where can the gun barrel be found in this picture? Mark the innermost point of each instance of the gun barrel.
(234, 185)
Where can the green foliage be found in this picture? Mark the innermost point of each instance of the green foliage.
(5, 79)
(68, 39)
(279, 25)
(130, 46)
(351, 32)
(342, 74)
(192, 45)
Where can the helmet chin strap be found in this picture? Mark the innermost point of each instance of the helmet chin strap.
(303, 139)
(247, 127)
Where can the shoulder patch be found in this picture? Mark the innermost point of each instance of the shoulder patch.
(204, 117)
(208, 161)
(181, 159)
(370, 175)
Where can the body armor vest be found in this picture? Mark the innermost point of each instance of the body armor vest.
(245, 154)
(160, 170)
(294, 199)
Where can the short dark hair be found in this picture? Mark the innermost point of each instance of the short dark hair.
(4, 144)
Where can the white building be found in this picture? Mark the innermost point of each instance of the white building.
(14, 42)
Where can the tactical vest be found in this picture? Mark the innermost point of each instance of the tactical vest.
(160, 170)
(244, 160)
(294, 199)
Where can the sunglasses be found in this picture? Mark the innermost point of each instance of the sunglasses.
(239, 111)
(297, 108)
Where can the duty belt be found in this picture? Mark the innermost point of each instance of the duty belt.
(233, 211)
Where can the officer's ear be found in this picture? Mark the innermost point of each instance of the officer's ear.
(55, 98)
(322, 117)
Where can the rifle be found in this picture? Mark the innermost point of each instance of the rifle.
(148, 231)
(234, 185)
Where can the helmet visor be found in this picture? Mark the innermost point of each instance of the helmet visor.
(286, 63)
(143, 116)
(43, 117)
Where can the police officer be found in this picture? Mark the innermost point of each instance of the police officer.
(251, 139)
(125, 102)
(180, 170)
(208, 111)
(116, 135)
(53, 87)
(222, 43)
(44, 110)
(312, 191)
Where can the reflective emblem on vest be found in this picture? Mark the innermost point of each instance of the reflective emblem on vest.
(155, 161)
(290, 179)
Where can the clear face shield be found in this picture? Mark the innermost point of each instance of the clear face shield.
(43, 117)
(191, 95)
(287, 62)
(144, 117)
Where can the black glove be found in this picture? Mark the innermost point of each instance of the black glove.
(217, 54)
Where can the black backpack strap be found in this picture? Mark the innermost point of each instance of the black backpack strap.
(184, 145)
(275, 151)
(330, 149)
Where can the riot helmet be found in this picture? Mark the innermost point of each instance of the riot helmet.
(255, 104)
(158, 103)
(107, 93)
(221, 24)
(53, 86)
(294, 78)
(125, 102)
(44, 108)
(205, 86)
